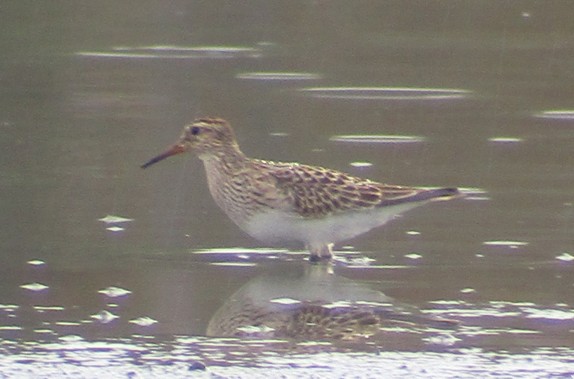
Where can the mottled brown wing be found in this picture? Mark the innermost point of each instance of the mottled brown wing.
(317, 191)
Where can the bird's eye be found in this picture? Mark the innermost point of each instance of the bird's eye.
(195, 131)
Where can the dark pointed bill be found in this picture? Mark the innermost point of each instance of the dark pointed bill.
(173, 150)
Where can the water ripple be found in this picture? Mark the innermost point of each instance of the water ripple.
(563, 114)
(379, 138)
(386, 93)
(175, 52)
(279, 76)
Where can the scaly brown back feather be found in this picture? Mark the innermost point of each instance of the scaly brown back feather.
(317, 192)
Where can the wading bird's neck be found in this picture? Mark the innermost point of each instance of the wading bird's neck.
(227, 159)
(228, 178)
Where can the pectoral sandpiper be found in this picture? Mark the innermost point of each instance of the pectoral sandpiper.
(282, 203)
(314, 304)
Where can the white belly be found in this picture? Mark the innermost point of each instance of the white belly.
(277, 227)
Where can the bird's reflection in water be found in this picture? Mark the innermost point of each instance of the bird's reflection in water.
(313, 303)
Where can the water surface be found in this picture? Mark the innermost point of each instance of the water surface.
(109, 270)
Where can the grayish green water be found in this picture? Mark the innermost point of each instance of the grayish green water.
(474, 94)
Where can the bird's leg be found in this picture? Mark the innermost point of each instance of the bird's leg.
(320, 252)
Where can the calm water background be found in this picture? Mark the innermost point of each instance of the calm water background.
(90, 90)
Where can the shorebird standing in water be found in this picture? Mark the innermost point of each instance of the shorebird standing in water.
(282, 203)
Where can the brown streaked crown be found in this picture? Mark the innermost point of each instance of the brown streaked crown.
(210, 136)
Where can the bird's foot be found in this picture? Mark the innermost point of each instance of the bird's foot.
(316, 259)
(320, 253)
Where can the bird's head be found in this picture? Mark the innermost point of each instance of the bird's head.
(206, 137)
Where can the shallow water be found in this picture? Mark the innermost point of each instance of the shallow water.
(109, 270)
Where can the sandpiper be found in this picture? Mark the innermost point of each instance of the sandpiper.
(317, 304)
(281, 203)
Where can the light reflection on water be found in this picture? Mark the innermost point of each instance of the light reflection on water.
(175, 52)
(65, 340)
(181, 357)
(392, 139)
(386, 93)
(73, 305)
(277, 76)
(565, 114)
